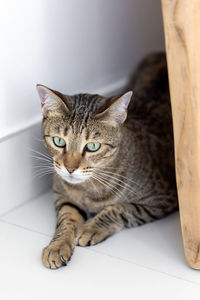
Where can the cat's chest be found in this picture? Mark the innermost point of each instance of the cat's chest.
(94, 206)
(90, 203)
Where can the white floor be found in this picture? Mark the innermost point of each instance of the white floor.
(140, 263)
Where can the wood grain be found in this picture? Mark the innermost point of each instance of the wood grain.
(182, 36)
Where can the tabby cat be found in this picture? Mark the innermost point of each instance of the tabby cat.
(112, 170)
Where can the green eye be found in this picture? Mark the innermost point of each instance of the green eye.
(59, 142)
(93, 146)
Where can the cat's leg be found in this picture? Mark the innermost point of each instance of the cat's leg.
(115, 217)
(61, 247)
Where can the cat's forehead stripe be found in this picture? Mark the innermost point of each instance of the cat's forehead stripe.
(83, 107)
(85, 103)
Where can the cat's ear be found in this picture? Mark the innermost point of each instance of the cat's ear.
(51, 103)
(116, 113)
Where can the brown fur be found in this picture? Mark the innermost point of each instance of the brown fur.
(132, 175)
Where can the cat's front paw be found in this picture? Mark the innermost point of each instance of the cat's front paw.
(90, 234)
(57, 254)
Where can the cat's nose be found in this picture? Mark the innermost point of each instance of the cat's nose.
(71, 169)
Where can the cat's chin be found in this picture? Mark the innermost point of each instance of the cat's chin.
(73, 180)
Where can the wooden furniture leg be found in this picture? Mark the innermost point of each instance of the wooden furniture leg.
(182, 36)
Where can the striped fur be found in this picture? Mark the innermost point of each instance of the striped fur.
(129, 181)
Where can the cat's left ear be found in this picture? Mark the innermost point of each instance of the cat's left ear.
(116, 113)
(51, 103)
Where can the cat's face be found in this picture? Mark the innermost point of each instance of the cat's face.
(81, 132)
(76, 153)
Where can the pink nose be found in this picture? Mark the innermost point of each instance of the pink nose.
(70, 170)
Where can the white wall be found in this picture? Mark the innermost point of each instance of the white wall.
(19, 167)
(71, 46)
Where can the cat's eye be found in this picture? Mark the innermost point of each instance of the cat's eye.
(92, 146)
(59, 142)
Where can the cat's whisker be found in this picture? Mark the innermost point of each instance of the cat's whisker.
(105, 184)
(94, 186)
(109, 185)
(113, 185)
(119, 175)
(44, 164)
(124, 183)
(37, 168)
(47, 156)
(42, 158)
(43, 168)
(41, 174)
(118, 182)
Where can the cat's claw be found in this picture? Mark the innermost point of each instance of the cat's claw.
(88, 235)
(57, 255)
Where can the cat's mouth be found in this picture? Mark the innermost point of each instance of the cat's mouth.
(74, 178)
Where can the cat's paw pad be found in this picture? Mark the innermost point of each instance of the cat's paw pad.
(56, 255)
(88, 234)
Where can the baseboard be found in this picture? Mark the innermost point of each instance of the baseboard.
(18, 183)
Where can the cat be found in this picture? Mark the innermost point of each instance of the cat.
(113, 169)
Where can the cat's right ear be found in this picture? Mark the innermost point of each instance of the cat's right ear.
(50, 102)
(116, 113)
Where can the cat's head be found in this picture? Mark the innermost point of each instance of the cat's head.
(82, 132)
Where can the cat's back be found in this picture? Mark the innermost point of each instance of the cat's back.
(149, 117)
(150, 104)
